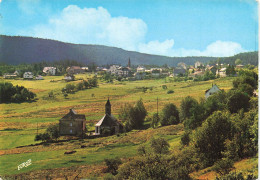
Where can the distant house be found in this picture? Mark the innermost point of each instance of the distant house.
(10, 76)
(74, 70)
(39, 77)
(156, 72)
(198, 64)
(28, 75)
(49, 70)
(114, 69)
(211, 91)
(182, 65)
(139, 75)
(108, 124)
(222, 72)
(72, 124)
(197, 73)
(17, 72)
(140, 69)
(69, 77)
(124, 72)
(84, 68)
(178, 71)
(213, 69)
(239, 66)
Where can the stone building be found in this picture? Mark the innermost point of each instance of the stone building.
(72, 124)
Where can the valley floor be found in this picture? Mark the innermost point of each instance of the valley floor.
(19, 123)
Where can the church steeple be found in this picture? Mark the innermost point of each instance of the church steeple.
(129, 63)
(108, 107)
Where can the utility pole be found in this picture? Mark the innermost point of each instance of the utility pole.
(157, 106)
(37, 128)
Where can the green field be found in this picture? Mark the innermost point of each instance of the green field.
(19, 121)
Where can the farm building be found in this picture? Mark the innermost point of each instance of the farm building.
(39, 77)
(108, 124)
(178, 71)
(211, 91)
(69, 77)
(222, 72)
(28, 75)
(198, 64)
(74, 70)
(72, 124)
(124, 72)
(10, 76)
(139, 75)
(49, 70)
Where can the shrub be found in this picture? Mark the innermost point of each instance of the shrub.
(133, 116)
(223, 166)
(185, 138)
(170, 92)
(155, 120)
(170, 115)
(112, 165)
(160, 146)
(209, 139)
(164, 86)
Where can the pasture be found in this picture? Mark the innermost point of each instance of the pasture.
(19, 121)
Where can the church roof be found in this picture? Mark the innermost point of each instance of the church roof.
(107, 120)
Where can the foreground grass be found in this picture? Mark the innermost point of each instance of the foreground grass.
(95, 152)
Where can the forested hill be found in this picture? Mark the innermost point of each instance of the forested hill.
(16, 50)
(246, 58)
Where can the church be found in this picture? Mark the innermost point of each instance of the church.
(108, 124)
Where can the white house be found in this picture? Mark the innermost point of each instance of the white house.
(39, 77)
(222, 72)
(49, 70)
(211, 91)
(69, 77)
(198, 64)
(28, 75)
(156, 72)
(114, 69)
(140, 69)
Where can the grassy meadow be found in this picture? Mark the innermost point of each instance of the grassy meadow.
(19, 121)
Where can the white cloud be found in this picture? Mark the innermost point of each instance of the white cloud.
(223, 48)
(93, 26)
(161, 48)
(217, 49)
(97, 26)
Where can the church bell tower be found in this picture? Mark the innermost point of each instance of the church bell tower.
(108, 107)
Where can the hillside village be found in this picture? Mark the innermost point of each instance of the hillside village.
(140, 72)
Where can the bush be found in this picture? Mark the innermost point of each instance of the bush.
(186, 106)
(209, 139)
(133, 116)
(185, 138)
(170, 115)
(160, 146)
(237, 100)
(155, 120)
(10, 93)
(170, 92)
(223, 166)
(80, 86)
(112, 165)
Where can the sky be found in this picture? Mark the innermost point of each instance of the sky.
(163, 27)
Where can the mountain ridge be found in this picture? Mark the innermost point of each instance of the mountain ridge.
(20, 49)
